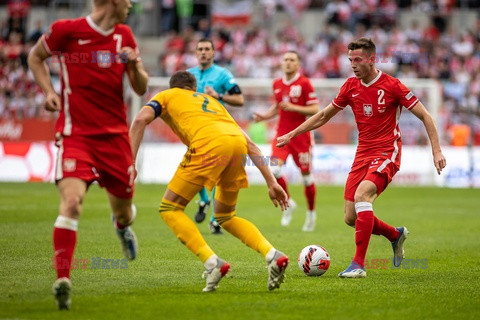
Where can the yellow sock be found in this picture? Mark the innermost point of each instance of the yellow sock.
(244, 230)
(184, 228)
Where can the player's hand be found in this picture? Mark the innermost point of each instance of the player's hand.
(131, 54)
(211, 92)
(283, 140)
(52, 102)
(278, 195)
(257, 117)
(285, 105)
(439, 161)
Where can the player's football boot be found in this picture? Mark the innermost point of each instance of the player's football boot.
(397, 246)
(202, 211)
(287, 214)
(276, 270)
(128, 240)
(353, 271)
(213, 276)
(215, 227)
(61, 290)
(310, 221)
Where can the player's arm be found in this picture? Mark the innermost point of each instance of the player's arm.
(421, 113)
(233, 97)
(314, 122)
(36, 63)
(308, 110)
(275, 191)
(137, 75)
(271, 112)
(144, 117)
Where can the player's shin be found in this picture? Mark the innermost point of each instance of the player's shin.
(184, 228)
(244, 230)
(64, 241)
(363, 230)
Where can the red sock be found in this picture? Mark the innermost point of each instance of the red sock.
(310, 192)
(384, 229)
(64, 241)
(281, 181)
(363, 231)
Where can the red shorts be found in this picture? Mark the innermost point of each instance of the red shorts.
(300, 148)
(379, 170)
(106, 159)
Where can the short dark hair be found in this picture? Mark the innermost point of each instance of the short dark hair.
(363, 43)
(206, 40)
(296, 53)
(183, 79)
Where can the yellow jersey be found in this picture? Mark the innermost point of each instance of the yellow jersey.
(194, 116)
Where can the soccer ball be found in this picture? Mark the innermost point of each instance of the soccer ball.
(313, 260)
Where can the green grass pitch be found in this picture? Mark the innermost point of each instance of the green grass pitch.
(165, 280)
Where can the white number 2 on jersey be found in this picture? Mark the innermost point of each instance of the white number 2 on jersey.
(381, 93)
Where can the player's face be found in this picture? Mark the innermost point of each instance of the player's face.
(121, 10)
(205, 54)
(290, 63)
(361, 63)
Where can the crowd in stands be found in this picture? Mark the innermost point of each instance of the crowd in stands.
(437, 51)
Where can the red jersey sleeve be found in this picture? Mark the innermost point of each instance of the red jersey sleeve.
(129, 39)
(56, 36)
(405, 97)
(343, 97)
(310, 94)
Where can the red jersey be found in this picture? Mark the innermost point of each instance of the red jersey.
(92, 75)
(377, 107)
(298, 91)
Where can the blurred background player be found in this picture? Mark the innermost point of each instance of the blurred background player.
(376, 99)
(295, 100)
(92, 118)
(209, 132)
(220, 84)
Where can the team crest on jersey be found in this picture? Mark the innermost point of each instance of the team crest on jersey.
(104, 58)
(295, 91)
(69, 165)
(367, 110)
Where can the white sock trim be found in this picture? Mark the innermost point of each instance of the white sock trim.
(63, 222)
(270, 255)
(363, 206)
(276, 171)
(307, 179)
(211, 262)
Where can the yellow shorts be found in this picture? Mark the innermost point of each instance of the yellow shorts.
(211, 163)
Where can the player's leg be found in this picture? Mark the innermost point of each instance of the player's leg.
(310, 193)
(73, 173)
(203, 205)
(215, 227)
(178, 194)
(123, 216)
(302, 156)
(276, 164)
(72, 192)
(359, 213)
(117, 174)
(248, 233)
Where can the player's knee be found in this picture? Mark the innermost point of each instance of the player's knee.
(224, 217)
(72, 206)
(307, 179)
(361, 197)
(126, 215)
(349, 220)
(276, 171)
(167, 209)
